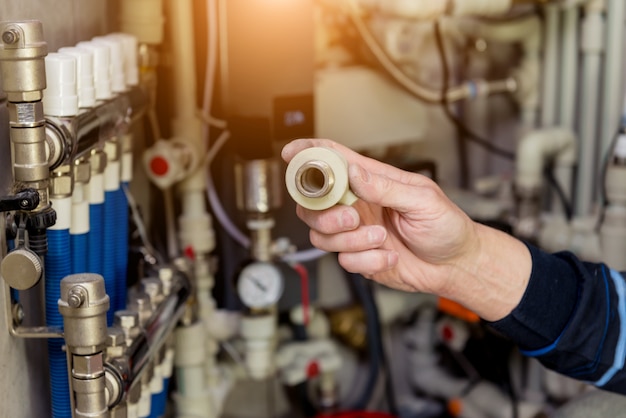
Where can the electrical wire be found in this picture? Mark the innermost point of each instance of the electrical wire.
(141, 227)
(378, 358)
(445, 102)
(605, 167)
(565, 203)
(211, 68)
(209, 120)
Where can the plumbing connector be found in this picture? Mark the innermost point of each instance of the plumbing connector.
(22, 53)
(536, 149)
(259, 334)
(84, 304)
(301, 361)
(317, 179)
(168, 162)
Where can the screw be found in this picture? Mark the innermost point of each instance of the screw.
(18, 313)
(10, 37)
(24, 203)
(76, 297)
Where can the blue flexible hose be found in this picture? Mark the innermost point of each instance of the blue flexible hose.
(159, 401)
(109, 235)
(121, 259)
(58, 264)
(80, 252)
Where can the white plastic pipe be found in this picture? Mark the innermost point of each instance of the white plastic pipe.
(613, 230)
(592, 48)
(613, 73)
(550, 66)
(539, 146)
(569, 67)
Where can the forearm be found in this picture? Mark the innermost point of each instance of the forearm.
(492, 277)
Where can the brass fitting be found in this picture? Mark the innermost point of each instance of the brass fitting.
(61, 182)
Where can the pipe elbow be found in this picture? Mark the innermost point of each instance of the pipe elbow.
(538, 147)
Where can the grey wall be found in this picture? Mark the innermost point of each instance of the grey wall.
(23, 376)
(65, 21)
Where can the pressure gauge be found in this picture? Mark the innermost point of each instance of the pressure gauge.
(260, 285)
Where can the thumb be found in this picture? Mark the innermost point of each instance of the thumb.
(382, 190)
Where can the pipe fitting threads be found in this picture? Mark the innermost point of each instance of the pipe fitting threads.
(317, 179)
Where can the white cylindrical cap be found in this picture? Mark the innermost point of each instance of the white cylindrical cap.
(60, 96)
(84, 75)
(118, 81)
(101, 68)
(130, 49)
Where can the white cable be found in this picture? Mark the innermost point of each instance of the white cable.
(209, 120)
(221, 215)
(215, 148)
(304, 256)
(141, 227)
(211, 65)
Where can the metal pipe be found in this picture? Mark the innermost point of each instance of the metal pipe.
(130, 368)
(72, 138)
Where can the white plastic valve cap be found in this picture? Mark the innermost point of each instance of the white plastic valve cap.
(118, 80)
(84, 75)
(101, 68)
(60, 96)
(130, 50)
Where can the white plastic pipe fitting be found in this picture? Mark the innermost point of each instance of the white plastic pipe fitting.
(317, 179)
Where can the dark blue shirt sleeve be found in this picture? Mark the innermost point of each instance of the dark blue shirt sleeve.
(572, 318)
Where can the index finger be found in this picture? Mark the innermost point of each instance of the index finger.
(369, 164)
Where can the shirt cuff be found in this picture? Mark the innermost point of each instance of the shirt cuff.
(548, 303)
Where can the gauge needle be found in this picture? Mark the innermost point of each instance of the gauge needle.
(258, 284)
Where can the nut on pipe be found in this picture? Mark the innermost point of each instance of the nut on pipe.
(317, 179)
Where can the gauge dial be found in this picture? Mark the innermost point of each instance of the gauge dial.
(260, 285)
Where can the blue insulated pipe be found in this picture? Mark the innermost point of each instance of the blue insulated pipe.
(121, 258)
(58, 264)
(109, 237)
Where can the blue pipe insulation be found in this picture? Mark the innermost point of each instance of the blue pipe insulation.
(109, 238)
(159, 402)
(58, 264)
(80, 252)
(121, 258)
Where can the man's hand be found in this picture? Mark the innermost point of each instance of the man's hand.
(405, 233)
